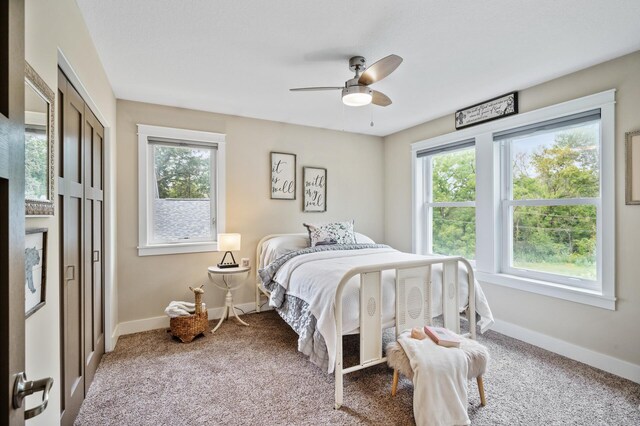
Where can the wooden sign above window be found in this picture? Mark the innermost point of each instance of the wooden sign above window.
(502, 106)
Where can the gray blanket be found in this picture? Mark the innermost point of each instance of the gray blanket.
(296, 311)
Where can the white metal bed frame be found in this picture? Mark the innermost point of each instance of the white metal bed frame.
(413, 305)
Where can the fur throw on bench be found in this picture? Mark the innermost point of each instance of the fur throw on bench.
(477, 358)
(438, 375)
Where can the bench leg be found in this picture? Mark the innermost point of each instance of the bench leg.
(483, 401)
(394, 386)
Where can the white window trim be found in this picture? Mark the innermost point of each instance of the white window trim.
(144, 222)
(488, 199)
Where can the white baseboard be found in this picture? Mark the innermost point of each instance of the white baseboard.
(114, 338)
(595, 359)
(146, 324)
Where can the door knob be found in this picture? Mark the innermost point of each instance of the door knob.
(23, 388)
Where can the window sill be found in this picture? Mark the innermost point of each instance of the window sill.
(545, 288)
(177, 248)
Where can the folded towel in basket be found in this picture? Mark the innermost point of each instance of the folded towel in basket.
(187, 306)
(181, 309)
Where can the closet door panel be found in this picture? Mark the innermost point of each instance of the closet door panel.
(88, 292)
(71, 193)
(72, 309)
(93, 284)
(98, 280)
(74, 293)
(80, 187)
(96, 181)
(74, 117)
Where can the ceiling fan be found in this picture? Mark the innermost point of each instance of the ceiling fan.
(356, 91)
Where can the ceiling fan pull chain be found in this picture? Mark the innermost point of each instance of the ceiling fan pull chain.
(371, 111)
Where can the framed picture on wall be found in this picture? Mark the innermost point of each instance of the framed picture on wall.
(632, 185)
(314, 195)
(283, 176)
(39, 145)
(499, 107)
(35, 270)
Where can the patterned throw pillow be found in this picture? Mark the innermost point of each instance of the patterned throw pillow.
(331, 233)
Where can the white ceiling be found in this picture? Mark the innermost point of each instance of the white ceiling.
(241, 57)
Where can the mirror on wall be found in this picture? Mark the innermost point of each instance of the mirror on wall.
(38, 150)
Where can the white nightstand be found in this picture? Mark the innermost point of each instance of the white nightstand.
(225, 279)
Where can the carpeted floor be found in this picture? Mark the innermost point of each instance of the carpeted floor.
(255, 375)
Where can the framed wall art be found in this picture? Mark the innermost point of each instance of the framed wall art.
(632, 180)
(314, 195)
(35, 270)
(283, 176)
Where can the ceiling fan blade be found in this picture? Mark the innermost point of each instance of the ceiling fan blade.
(380, 69)
(380, 99)
(315, 89)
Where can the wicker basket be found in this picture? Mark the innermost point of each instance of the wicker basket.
(188, 327)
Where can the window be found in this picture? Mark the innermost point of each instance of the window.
(183, 197)
(530, 197)
(551, 199)
(181, 182)
(450, 193)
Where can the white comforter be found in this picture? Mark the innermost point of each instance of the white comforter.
(314, 278)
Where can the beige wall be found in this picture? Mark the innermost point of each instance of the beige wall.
(50, 25)
(354, 175)
(609, 332)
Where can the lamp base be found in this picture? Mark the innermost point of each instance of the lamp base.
(223, 264)
(227, 265)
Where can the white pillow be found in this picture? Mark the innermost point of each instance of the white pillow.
(363, 239)
(279, 246)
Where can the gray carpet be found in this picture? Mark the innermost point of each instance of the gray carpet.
(254, 375)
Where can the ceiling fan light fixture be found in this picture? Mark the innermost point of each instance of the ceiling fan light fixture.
(357, 96)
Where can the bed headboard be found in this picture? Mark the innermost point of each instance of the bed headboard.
(297, 241)
(262, 242)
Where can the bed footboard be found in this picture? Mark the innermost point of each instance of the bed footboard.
(413, 306)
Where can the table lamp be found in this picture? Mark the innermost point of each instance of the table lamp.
(228, 243)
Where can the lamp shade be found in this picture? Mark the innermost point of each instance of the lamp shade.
(228, 242)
